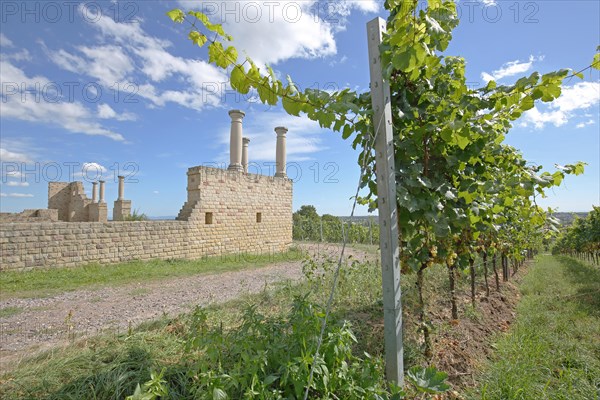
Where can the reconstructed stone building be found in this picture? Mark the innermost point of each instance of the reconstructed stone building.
(227, 211)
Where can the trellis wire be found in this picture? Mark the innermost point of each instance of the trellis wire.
(339, 265)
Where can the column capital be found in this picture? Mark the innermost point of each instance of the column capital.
(237, 115)
(281, 130)
(245, 140)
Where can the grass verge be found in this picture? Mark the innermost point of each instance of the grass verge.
(111, 365)
(553, 350)
(47, 282)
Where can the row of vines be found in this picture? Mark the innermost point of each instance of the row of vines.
(582, 238)
(465, 199)
(309, 226)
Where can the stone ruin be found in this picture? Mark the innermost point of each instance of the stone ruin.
(68, 202)
(227, 211)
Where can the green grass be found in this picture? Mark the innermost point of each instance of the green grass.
(553, 350)
(47, 282)
(109, 366)
(10, 311)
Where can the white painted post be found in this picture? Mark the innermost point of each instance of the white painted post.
(321, 221)
(386, 204)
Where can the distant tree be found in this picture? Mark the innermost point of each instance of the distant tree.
(306, 223)
(330, 218)
(308, 211)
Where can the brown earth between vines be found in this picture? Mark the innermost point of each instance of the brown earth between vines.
(460, 347)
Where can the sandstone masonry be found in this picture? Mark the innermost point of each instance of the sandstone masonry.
(227, 211)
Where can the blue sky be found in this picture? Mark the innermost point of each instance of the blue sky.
(108, 88)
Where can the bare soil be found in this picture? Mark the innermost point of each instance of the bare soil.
(460, 347)
(44, 323)
(463, 348)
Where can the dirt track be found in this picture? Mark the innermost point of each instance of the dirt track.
(51, 321)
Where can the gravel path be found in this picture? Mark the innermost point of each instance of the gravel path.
(48, 322)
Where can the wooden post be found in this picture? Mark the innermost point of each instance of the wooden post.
(386, 204)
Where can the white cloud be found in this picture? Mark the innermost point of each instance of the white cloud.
(91, 171)
(46, 107)
(342, 60)
(156, 192)
(17, 183)
(581, 96)
(2, 194)
(15, 150)
(282, 31)
(197, 84)
(109, 64)
(15, 175)
(489, 2)
(272, 32)
(304, 137)
(5, 42)
(584, 124)
(511, 68)
(106, 112)
(364, 5)
(21, 55)
(538, 119)
(13, 156)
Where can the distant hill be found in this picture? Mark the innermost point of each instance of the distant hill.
(363, 219)
(160, 218)
(566, 218)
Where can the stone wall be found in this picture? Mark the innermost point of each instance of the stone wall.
(226, 212)
(36, 215)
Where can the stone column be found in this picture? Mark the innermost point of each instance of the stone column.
(245, 142)
(101, 200)
(235, 140)
(94, 192)
(121, 187)
(98, 212)
(280, 152)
